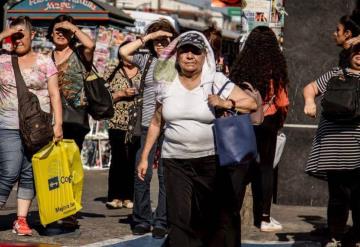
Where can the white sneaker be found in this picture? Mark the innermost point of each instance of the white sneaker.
(271, 226)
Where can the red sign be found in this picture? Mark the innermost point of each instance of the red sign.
(226, 3)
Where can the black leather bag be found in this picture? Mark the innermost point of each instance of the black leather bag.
(99, 99)
(135, 111)
(341, 101)
(35, 124)
(74, 115)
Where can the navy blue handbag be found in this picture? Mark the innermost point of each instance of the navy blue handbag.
(235, 139)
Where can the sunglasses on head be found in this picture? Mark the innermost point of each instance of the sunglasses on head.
(190, 48)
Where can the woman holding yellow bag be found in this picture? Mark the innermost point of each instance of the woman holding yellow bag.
(40, 76)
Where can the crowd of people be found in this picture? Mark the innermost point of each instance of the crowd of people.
(167, 90)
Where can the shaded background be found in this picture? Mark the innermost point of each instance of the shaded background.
(310, 51)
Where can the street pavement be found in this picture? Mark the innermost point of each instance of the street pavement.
(303, 226)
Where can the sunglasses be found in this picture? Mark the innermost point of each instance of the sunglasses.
(190, 48)
(63, 31)
(17, 36)
(162, 42)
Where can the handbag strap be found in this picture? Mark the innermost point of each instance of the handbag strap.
(131, 84)
(21, 87)
(146, 69)
(111, 77)
(221, 89)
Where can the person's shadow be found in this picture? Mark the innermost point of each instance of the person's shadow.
(318, 234)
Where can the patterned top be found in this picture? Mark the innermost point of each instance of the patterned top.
(336, 146)
(119, 83)
(35, 78)
(71, 82)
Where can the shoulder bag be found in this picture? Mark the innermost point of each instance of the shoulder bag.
(341, 101)
(135, 111)
(73, 115)
(99, 99)
(235, 139)
(35, 124)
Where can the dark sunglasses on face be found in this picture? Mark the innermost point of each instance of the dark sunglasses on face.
(190, 48)
(162, 42)
(17, 36)
(63, 31)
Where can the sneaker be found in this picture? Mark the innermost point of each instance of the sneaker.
(114, 204)
(140, 229)
(158, 232)
(21, 227)
(333, 243)
(128, 204)
(271, 226)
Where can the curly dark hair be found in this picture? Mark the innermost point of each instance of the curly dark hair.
(161, 24)
(261, 61)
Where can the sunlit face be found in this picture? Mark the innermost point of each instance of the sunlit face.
(22, 39)
(190, 59)
(61, 36)
(341, 35)
(160, 44)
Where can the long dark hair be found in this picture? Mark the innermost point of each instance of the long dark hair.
(261, 61)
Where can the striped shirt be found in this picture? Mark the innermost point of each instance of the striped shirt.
(336, 146)
(149, 101)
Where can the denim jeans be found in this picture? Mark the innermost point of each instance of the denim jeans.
(142, 212)
(14, 166)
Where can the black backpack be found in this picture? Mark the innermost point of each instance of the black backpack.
(341, 100)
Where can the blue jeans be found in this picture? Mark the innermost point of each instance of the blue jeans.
(142, 212)
(14, 166)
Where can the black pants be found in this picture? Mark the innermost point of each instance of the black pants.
(344, 194)
(122, 166)
(75, 132)
(190, 197)
(262, 174)
(231, 187)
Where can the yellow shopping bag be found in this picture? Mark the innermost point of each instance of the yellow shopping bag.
(58, 177)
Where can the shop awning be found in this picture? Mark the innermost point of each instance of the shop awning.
(191, 24)
(83, 10)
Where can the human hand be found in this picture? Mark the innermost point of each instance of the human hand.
(129, 92)
(65, 26)
(10, 32)
(58, 132)
(351, 42)
(214, 100)
(157, 34)
(142, 168)
(310, 109)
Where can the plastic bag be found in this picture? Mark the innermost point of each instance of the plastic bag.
(58, 175)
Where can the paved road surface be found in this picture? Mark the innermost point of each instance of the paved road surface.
(99, 224)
